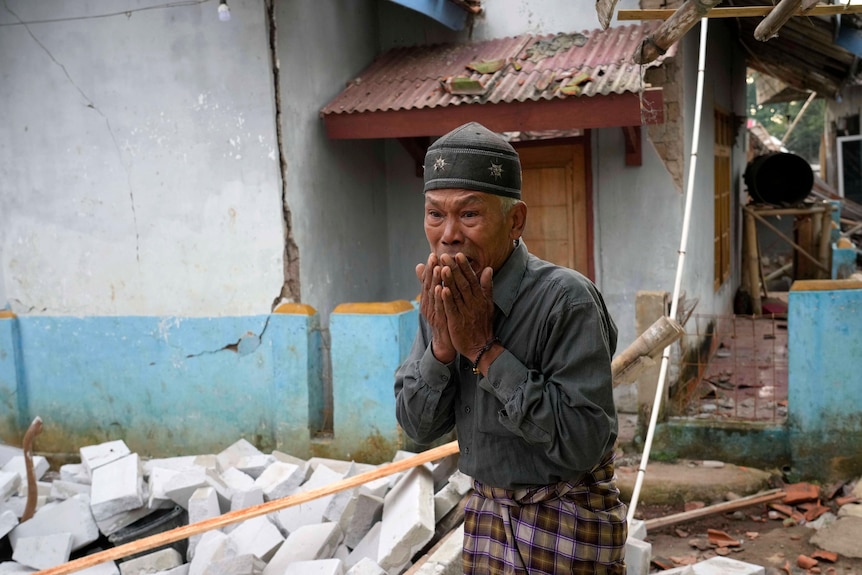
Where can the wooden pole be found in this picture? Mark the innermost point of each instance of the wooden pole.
(740, 12)
(755, 499)
(769, 26)
(186, 531)
(672, 29)
(825, 247)
(752, 255)
(797, 118)
(783, 236)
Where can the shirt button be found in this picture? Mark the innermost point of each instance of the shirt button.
(466, 451)
(445, 378)
(495, 384)
(467, 409)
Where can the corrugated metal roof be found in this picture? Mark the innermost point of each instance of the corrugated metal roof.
(535, 68)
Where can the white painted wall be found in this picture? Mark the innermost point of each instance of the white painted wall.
(336, 189)
(138, 167)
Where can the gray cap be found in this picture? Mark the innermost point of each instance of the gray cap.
(472, 157)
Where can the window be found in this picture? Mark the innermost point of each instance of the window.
(721, 232)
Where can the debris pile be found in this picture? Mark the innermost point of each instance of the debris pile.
(113, 500)
(834, 514)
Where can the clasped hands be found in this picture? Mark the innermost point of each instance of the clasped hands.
(458, 306)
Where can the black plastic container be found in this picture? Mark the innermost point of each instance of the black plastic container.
(158, 521)
(780, 178)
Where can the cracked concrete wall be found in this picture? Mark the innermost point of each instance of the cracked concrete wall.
(138, 167)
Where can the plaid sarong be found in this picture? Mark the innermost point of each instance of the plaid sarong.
(566, 528)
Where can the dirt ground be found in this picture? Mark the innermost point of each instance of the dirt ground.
(765, 542)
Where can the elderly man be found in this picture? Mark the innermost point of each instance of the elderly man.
(515, 353)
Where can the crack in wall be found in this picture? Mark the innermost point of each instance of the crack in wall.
(91, 105)
(246, 344)
(290, 289)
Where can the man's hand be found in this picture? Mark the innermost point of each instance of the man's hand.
(468, 304)
(431, 308)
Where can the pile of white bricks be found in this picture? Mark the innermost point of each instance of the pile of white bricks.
(376, 528)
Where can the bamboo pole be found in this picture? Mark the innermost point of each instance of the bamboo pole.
(756, 499)
(769, 26)
(739, 12)
(186, 531)
(784, 237)
(789, 131)
(674, 28)
(605, 11)
(752, 256)
(635, 358)
(825, 246)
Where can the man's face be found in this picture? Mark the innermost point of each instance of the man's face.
(472, 223)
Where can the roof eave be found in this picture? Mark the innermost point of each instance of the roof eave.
(571, 113)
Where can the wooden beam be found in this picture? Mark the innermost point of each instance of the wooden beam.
(579, 112)
(186, 531)
(672, 29)
(632, 136)
(784, 237)
(756, 499)
(773, 21)
(739, 12)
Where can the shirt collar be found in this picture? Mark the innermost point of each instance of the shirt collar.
(507, 280)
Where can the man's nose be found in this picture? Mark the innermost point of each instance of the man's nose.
(451, 232)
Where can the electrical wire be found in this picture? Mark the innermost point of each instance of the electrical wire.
(177, 4)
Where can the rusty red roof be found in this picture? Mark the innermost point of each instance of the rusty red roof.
(519, 69)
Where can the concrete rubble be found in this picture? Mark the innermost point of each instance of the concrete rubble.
(113, 497)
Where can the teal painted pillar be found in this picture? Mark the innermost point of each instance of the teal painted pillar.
(825, 378)
(368, 343)
(10, 412)
(298, 382)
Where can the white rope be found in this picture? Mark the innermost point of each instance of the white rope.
(659, 392)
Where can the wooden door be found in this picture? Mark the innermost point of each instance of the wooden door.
(554, 188)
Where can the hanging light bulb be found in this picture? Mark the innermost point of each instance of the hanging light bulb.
(223, 11)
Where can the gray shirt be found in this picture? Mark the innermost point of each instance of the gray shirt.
(545, 412)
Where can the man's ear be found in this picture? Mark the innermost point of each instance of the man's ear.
(517, 219)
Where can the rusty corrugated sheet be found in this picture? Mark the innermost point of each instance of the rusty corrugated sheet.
(537, 66)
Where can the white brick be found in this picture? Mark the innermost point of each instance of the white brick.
(158, 477)
(181, 486)
(243, 499)
(75, 473)
(15, 568)
(378, 487)
(8, 522)
(462, 482)
(160, 560)
(179, 463)
(367, 547)
(288, 458)
(257, 536)
(70, 516)
(231, 455)
(236, 480)
(638, 529)
(341, 466)
(367, 512)
(7, 452)
(223, 490)
(43, 551)
(445, 501)
(106, 568)
(17, 465)
(212, 547)
(366, 567)
(9, 483)
(725, 566)
(254, 465)
(203, 505)
(240, 565)
(181, 570)
(65, 489)
(117, 486)
(95, 456)
(280, 479)
(446, 559)
(319, 567)
(408, 519)
(443, 469)
(310, 542)
(292, 518)
(343, 501)
(110, 525)
(638, 555)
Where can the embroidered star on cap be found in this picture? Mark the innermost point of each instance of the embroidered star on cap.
(496, 170)
(439, 163)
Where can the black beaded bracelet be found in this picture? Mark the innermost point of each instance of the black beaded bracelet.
(482, 351)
